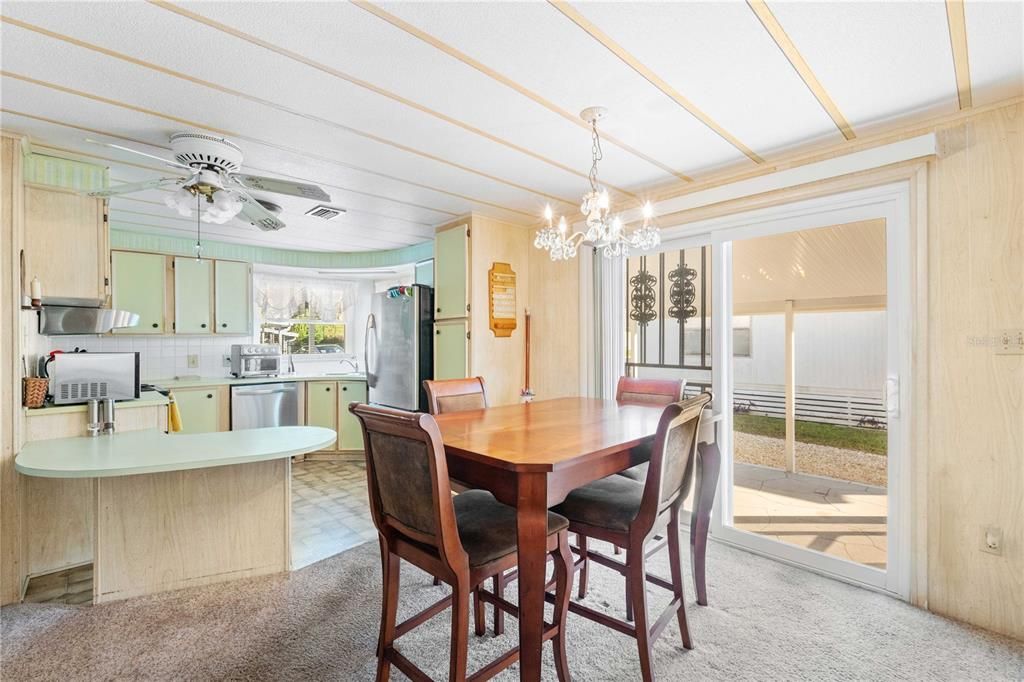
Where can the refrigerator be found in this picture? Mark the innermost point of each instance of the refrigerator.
(399, 348)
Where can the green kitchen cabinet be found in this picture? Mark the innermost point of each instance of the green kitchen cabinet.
(451, 273)
(193, 296)
(139, 286)
(232, 287)
(200, 409)
(322, 406)
(351, 433)
(451, 349)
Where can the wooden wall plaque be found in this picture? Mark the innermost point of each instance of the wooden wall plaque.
(501, 296)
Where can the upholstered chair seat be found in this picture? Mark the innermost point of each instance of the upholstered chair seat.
(487, 527)
(611, 503)
(637, 473)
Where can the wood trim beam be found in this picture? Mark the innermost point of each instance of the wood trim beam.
(800, 65)
(246, 138)
(279, 107)
(654, 79)
(958, 43)
(508, 82)
(341, 75)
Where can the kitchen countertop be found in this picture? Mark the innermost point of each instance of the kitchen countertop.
(147, 399)
(153, 451)
(197, 382)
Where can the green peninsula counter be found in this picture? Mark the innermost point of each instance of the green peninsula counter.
(179, 510)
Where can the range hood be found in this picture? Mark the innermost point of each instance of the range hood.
(60, 317)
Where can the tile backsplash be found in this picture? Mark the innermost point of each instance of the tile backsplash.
(160, 357)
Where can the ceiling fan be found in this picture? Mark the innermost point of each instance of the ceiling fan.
(215, 187)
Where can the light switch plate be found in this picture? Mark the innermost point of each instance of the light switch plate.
(193, 361)
(1010, 342)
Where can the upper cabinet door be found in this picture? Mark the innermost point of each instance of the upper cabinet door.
(139, 287)
(232, 297)
(193, 296)
(66, 243)
(451, 273)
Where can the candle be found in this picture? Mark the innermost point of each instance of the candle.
(37, 292)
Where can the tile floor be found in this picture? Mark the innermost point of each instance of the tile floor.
(846, 520)
(330, 510)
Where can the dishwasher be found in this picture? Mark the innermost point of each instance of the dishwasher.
(256, 406)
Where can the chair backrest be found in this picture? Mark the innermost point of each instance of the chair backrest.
(657, 391)
(672, 456)
(455, 395)
(407, 477)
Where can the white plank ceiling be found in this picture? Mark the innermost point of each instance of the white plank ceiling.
(410, 114)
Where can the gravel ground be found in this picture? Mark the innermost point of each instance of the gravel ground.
(819, 460)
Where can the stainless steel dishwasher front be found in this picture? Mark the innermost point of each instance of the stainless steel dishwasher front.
(255, 406)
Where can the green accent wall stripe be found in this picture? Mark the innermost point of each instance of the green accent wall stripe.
(183, 246)
(43, 169)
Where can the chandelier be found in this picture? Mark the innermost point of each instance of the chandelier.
(604, 231)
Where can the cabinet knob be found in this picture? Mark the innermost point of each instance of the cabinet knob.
(209, 395)
(328, 389)
(438, 332)
(156, 325)
(224, 324)
(203, 325)
(438, 310)
(344, 388)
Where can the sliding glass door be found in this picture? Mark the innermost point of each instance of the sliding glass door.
(805, 341)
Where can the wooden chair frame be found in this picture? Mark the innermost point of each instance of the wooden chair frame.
(443, 556)
(656, 516)
(442, 388)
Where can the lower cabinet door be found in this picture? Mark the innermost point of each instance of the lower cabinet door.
(322, 406)
(451, 349)
(351, 431)
(199, 409)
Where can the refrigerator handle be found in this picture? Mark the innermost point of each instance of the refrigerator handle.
(371, 325)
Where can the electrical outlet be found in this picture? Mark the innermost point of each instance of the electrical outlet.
(992, 540)
(193, 361)
(226, 360)
(1010, 342)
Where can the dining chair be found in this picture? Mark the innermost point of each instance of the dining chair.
(629, 513)
(455, 395)
(463, 540)
(651, 391)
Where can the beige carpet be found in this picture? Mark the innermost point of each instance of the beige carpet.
(766, 621)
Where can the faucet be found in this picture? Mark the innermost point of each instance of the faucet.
(350, 361)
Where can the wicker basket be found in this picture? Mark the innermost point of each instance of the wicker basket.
(34, 391)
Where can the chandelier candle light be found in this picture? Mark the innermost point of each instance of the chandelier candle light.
(604, 231)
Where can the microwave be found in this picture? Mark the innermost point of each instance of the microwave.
(255, 360)
(81, 377)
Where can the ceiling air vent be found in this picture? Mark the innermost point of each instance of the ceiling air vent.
(325, 212)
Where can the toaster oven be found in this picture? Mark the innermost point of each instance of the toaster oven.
(255, 360)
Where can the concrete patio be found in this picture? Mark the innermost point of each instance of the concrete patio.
(846, 520)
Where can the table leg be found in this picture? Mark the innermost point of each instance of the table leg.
(709, 465)
(531, 527)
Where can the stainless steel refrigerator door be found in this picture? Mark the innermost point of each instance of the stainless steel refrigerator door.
(259, 405)
(392, 351)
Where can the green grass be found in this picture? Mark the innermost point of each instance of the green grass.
(848, 437)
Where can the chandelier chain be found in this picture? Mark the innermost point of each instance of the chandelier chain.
(596, 154)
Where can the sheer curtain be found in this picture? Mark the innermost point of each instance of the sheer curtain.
(609, 322)
(282, 298)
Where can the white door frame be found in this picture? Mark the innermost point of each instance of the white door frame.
(892, 202)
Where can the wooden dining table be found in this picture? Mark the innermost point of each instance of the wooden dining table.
(531, 455)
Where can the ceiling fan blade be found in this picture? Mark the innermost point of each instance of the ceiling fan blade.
(172, 164)
(295, 189)
(137, 187)
(253, 213)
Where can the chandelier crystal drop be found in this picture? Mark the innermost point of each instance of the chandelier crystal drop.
(604, 231)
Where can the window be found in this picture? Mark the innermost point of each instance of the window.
(303, 315)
